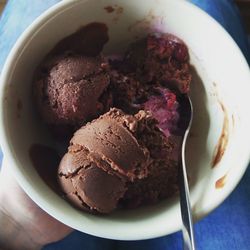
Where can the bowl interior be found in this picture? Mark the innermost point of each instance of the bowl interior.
(220, 127)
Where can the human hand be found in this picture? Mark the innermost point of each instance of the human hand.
(23, 224)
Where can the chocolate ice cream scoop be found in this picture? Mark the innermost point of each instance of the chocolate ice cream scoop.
(103, 156)
(70, 86)
(70, 89)
(112, 155)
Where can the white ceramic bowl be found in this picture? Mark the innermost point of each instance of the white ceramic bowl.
(220, 92)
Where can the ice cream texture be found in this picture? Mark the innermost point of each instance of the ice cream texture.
(126, 156)
(110, 155)
(70, 86)
(71, 91)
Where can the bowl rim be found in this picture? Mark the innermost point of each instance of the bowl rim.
(6, 147)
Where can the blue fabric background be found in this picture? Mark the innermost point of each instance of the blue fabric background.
(228, 227)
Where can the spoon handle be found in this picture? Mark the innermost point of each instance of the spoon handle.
(186, 211)
(186, 214)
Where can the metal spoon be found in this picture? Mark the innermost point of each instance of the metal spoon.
(186, 211)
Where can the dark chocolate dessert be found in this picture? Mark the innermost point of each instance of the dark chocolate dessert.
(126, 156)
